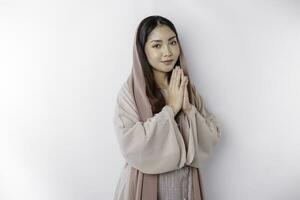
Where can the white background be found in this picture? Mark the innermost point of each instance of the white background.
(62, 63)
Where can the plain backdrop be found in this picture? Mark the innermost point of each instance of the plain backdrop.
(62, 63)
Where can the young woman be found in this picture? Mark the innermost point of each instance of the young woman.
(163, 128)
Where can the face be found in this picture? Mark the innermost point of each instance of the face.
(162, 45)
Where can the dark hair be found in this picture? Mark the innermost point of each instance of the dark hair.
(145, 27)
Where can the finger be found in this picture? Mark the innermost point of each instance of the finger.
(186, 83)
(183, 83)
(178, 77)
(181, 76)
(172, 78)
(185, 91)
(174, 85)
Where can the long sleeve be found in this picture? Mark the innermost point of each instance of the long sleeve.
(201, 132)
(154, 146)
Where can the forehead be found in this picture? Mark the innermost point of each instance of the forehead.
(161, 33)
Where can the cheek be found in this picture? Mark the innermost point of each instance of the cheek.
(176, 51)
(154, 56)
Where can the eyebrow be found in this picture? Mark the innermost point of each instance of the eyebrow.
(161, 40)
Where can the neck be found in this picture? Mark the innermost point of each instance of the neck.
(161, 79)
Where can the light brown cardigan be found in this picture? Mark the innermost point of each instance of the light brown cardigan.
(157, 145)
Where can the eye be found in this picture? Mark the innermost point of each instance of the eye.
(174, 42)
(155, 45)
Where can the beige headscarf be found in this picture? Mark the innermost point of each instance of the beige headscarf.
(146, 184)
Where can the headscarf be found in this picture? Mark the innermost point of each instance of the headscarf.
(146, 184)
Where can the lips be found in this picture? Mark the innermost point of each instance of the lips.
(167, 61)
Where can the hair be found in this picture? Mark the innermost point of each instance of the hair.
(145, 27)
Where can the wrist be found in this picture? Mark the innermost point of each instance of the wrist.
(173, 109)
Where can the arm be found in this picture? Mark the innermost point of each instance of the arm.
(154, 146)
(201, 133)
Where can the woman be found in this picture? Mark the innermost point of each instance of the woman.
(163, 128)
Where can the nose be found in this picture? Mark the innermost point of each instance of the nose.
(167, 51)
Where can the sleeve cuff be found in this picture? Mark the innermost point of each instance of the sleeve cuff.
(169, 110)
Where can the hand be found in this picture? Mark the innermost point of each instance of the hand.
(174, 93)
(186, 105)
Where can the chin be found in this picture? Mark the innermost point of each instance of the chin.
(168, 68)
(164, 68)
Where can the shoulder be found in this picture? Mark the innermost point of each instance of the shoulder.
(124, 91)
(126, 109)
(125, 98)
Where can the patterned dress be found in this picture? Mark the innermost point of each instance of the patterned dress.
(175, 185)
